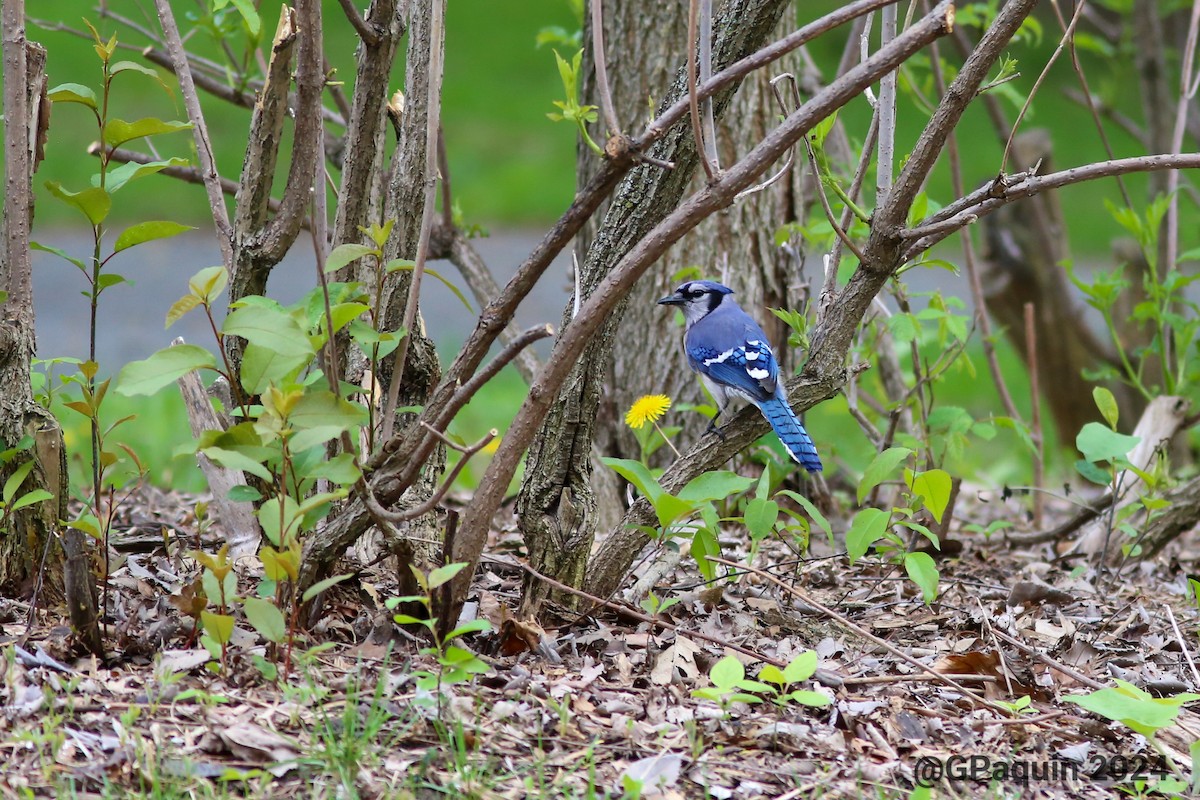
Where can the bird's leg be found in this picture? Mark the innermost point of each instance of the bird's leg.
(713, 427)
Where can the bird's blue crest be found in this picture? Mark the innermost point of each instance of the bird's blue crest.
(712, 286)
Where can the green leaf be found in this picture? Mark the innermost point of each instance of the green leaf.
(1093, 472)
(218, 626)
(29, 498)
(263, 366)
(867, 527)
(1099, 443)
(811, 510)
(180, 308)
(73, 93)
(164, 367)
(442, 575)
(761, 516)
(244, 494)
(45, 248)
(705, 544)
(727, 673)
(117, 177)
(94, 203)
(1107, 405)
(270, 328)
(345, 254)
(133, 66)
(809, 698)
(277, 517)
(266, 618)
(206, 284)
(716, 485)
(1133, 707)
(117, 132)
(638, 474)
(934, 487)
(13, 484)
(148, 231)
(340, 469)
(802, 667)
(402, 264)
(320, 416)
(250, 15)
(473, 626)
(321, 586)
(880, 469)
(924, 573)
(232, 459)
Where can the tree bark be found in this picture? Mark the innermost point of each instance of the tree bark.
(558, 508)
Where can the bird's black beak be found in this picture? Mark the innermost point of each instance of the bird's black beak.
(672, 300)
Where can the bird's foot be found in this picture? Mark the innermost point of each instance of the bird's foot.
(713, 427)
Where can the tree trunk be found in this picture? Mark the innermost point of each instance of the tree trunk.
(645, 46)
(27, 535)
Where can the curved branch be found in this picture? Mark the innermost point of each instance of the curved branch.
(1001, 192)
(616, 285)
(208, 166)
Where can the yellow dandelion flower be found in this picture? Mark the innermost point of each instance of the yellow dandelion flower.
(647, 408)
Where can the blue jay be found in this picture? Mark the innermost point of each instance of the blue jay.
(730, 351)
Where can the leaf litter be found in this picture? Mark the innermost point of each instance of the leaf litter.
(604, 704)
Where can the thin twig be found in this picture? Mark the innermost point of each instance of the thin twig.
(365, 32)
(1187, 92)
(625, 610)
(378, 511)
(1035, 399)
(693, 79)
(886, 108)
(187, 174)
(1187, 652)
(1068, 34)
(783, 110)
(437, 36)
(601, 64)
(708, 117)
(973, 277)
(1048, 661)
(854, 627)
(1087, 94)
(841, 233)
(191, 101)
(1008, 189)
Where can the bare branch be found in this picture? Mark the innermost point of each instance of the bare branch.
(395, 517)
(698, 131)
(1187, 93)
(432, 126)
(1067, 36)
(208, 167)
(475, 272)
(975, 282)
(266, 134)
(602, 87)
(368, 34)
(281, 230)
(1005, 190)
(767, 55)
(708, 117)
(185, 174)
(886, 110)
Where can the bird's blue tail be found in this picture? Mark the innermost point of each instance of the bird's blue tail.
(789, 430)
